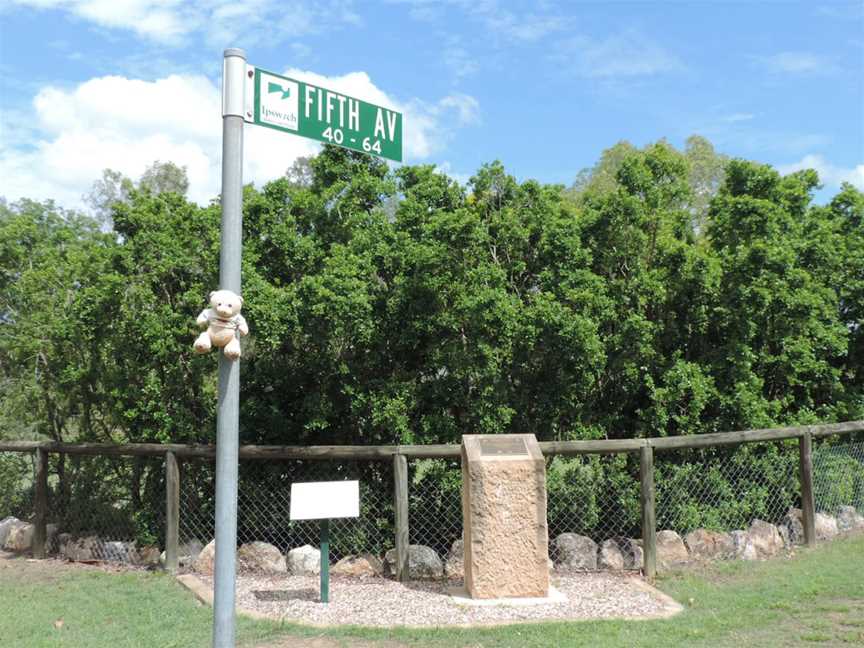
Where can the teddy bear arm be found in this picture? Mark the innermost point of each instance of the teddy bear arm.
(242, 326)
(204, 317)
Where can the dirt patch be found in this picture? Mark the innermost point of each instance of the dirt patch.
(19, 567)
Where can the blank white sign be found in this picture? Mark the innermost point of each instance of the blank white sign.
(325, 500)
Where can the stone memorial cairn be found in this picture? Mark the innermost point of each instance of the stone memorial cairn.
(506, 542)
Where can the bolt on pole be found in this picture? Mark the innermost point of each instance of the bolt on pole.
(228, 406)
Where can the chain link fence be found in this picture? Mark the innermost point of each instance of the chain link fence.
(838, 477)
(17, 479)
(99, 508)
(264, 503)
(113, 508)
(726, 488)
(596, 496)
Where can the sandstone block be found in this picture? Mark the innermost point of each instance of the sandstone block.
(19, 536)
(261, 557)
(423, 562)
(361, 566)
(671, 550)
(454, 566)
(6, 526)
(610, 557)
(574, 552)
(826, 526)
(766, 538)
(304, 560)
(709, 545)
(744, 549)
(631, 549)
(504, 514)
(849, 519)
(206, 559)
(83, 549)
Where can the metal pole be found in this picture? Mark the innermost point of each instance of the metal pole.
(228, 407)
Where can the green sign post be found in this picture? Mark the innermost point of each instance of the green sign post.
(303, 109)
(325, 561)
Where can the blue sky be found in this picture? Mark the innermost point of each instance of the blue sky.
(542, 86)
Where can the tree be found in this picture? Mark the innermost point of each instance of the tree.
(397, 306)
(114, 188)
(706, 174)
(602, 176)
(778, 335)
(164, 177)
(300, 172)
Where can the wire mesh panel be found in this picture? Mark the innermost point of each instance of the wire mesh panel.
(17, 478)
(113, 508)
(264, 501)
(106, 508)
(726, 488)
(435, 503)
(594, 495)
(838, 477)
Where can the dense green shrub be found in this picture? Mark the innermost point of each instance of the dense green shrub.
(398, 306)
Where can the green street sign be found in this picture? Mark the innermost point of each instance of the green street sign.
(317, 113)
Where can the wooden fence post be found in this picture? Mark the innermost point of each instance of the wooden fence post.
(649, 524)
(172, 511)
(400, 482)
(40, 505)
(808, 505)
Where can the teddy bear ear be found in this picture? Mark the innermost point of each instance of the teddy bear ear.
(240, 299)
(210, 296)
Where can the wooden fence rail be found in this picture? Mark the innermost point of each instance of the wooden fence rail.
(399, 455)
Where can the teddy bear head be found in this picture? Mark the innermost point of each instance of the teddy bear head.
(226, 303)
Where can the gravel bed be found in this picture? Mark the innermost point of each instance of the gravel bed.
(381, 602)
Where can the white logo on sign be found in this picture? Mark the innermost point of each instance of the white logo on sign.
(279, 101)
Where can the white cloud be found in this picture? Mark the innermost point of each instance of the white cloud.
(525, 27)
(222, 21)
(737, 117)
(445, 168)
(628, 54)
(796, 63)
(460, 62)
(466, 107)
(829, 174)
(497, 19)
(127, 124)
(161, 20)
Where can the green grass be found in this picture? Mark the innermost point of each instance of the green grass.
(815, 599)
(116, 610)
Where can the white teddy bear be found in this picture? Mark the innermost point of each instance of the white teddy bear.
(223, 321)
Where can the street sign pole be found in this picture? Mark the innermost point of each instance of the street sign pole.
(228, 406)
